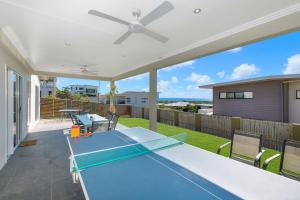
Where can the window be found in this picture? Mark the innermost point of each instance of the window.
(297, 94)
(128, 100)
(229, 95)
(144, 100)
(222, 95)
(237, 95)
(248, 95)
(49, 93)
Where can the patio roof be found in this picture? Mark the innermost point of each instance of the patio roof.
(58, 37)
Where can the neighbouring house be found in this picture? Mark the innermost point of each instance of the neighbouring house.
(138, 99)
(274, 98)
(90, 91)
(48, 86)
(134, 98)
(119, 98)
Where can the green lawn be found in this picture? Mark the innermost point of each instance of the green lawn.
(198, 139)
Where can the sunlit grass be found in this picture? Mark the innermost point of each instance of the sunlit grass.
(199, 139)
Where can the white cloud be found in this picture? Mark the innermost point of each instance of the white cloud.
(244, 70)
(221, 74)
(163, 86)
(174, 79)
(180, 65)
(199, 78)
(145, 89)
(293, 65)
(235, 50)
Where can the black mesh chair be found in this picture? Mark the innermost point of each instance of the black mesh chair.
(245, 147)
(113, 122)
(99, 126)
(290, 159)
(75, 121)
(109, 115)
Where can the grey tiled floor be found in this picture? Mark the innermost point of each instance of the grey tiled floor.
(40, 171)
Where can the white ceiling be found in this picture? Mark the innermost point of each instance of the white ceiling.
(40, 29)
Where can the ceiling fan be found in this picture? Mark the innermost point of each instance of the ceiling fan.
(139, 25)
(84, 70)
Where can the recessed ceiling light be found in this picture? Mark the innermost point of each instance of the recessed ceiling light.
(197, 10)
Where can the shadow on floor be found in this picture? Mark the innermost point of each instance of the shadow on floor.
(40, 171)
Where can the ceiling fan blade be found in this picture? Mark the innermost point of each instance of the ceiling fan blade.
(156, 36)
(103, 15)
(123, 37)
(161, 10)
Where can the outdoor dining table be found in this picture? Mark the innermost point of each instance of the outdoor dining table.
(87, 120)
(65, 112)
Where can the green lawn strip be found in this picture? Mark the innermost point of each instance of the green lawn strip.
(199, 139)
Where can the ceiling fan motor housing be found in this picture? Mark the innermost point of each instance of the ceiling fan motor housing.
(136, 27)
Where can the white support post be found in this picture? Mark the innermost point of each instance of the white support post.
(153, 100)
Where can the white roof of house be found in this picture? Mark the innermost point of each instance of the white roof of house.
(178, 104)
(58, 37)
(258, 79)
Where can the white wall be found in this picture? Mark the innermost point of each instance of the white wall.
(9, 59)
(34, 107)
(294, 104)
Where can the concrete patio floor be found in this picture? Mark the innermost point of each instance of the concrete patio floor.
(41, 171)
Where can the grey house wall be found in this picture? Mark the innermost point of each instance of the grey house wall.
(267, 102)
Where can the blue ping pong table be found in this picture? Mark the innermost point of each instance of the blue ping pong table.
(149, 176)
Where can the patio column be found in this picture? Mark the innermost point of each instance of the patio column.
(112, 93)
(153, 100)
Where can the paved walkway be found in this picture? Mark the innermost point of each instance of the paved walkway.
(41, 171)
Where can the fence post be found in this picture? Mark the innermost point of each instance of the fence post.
(143, 112)
(235, 123)
(158, 115)
(52, 107)
(176, 118)
(296, 132)
(198, 122)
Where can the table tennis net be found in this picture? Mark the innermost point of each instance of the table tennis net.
(95, 158)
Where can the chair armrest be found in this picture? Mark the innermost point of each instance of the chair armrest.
(222, 146)
(257, 158)
(267, 161)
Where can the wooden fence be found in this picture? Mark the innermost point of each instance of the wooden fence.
(273, 132)
(49, 108)
(217, 125)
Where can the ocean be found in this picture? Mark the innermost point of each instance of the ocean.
(183, 99)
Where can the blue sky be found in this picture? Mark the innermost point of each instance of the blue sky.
(279, 55)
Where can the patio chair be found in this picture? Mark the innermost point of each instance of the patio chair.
(113, 122)
(109, 115)
(290, 159)
(84, 112)
(99, 126)
(245, 147)
(75, 121)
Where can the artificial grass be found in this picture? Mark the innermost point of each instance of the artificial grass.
(199, 139)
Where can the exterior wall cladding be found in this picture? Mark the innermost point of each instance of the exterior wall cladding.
(267, 102)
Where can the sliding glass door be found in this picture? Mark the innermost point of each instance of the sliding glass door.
(17, 108)
(14, 110)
